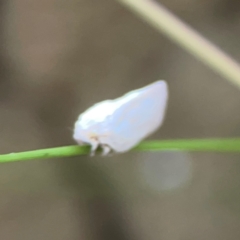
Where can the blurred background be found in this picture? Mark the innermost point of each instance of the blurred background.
(57, 58)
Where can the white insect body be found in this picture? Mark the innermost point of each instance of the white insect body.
(122, 123)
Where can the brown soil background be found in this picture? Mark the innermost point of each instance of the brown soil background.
(59, 57)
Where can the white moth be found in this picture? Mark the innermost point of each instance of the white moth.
(122, 123)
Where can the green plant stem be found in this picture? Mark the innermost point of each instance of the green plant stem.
(190, 145)
(179, 32)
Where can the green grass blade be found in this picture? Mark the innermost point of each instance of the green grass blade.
(190, 145)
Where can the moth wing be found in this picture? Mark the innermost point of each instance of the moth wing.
(137, 114)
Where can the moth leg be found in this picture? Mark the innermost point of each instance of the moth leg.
(106, 150)
(94, 146)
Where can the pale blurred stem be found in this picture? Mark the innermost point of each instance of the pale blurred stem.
(166, 22)
(190, 145)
